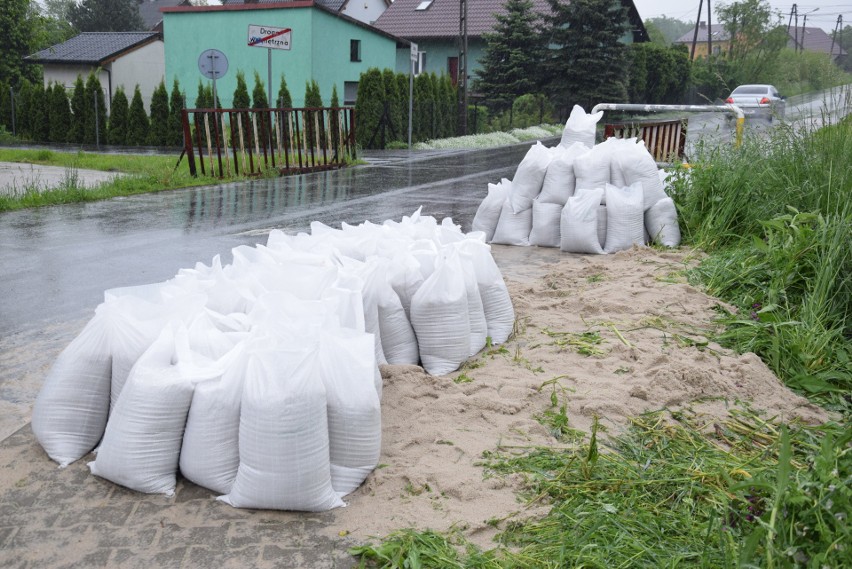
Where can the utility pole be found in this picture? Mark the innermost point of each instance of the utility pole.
(837, 27)
(709, 35)
(462, 80)
(695, 35)
(796, 27)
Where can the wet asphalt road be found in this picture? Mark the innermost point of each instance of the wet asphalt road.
(57, 261)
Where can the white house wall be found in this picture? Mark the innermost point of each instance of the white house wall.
(145, 66)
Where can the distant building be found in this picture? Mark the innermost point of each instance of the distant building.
(719, 40)
(325, 46)
(151, 14)
(125, 59)
(801, 39)
(366, 11)
(434, 26)
(815, 40)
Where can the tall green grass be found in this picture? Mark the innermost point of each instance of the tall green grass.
(775, 217)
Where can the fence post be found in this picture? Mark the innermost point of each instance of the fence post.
(97, 125)
(12, 100)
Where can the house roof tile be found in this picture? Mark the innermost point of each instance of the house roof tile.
(441, 18)
(150, 11)
(717, 31)
(334, 5)
(814, 39)
(92, 47)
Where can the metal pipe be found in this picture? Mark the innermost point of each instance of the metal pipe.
(727, 108)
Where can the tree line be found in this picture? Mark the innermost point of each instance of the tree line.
(53, 114)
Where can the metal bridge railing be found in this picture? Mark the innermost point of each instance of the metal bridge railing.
(664, 139)
(250, 142)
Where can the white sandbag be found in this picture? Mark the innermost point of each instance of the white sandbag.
(624, 217)
(399, 343)
(579, 223)
(371, 292)
(661, 223)
(513, 228)
(405, 276)
(638, 166)
(496, 302)
(70, 411)
(602, 222)
(210, 454)
(142, 441)
(592, 169)
(439, 315)
(284, 449)
(559, 180)
(475, 309)
(545, 224)
(529, 177)
(347, 368)
(580, 127)
(134, 323)
(488, 212)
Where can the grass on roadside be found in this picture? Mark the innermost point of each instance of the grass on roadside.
(776, 220)
(140, 174)
(751, 493)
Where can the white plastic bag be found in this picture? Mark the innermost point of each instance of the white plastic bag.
(439, 314)
(559, 180)
(529, 177)
(496, 302)
(579, 223)
(347, 369)
(661, 223)
(70, 412)
(141, 445)
(624, 217)
(284, 448)
(545, 225)
(580, 127)
(513, 228)
(488, 212)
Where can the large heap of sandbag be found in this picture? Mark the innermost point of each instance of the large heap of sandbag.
(259, 380)
(581, 197)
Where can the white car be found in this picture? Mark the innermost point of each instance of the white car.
(758, 99)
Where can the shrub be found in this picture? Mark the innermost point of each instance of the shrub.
(137, 121)
(158, 131)
(59, 113)
(117, 133)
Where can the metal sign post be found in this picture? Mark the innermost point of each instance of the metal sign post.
(414, 56)
(213, 64)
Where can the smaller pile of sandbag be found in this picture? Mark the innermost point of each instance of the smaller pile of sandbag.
(581, 197)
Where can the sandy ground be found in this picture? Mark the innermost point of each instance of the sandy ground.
(653, 353)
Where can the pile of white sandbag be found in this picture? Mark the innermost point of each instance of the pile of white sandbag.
(259, 380)
(581, 197)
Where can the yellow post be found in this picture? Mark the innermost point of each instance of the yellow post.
(739, 140)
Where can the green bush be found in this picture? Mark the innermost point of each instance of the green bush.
(158, 131)
(79, 112)
(368, 107)
(59, 113)
(38, 114)
(175, 136)
(258, 94)
(284, 100)
(95, 127)
(119, 109)
(241, 96)
(137, 121)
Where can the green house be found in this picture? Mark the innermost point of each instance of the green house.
(321, 45)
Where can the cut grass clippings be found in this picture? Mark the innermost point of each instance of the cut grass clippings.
(750, 493)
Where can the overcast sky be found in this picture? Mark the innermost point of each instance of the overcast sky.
(824, 17)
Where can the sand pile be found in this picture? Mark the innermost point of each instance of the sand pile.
(622, 334)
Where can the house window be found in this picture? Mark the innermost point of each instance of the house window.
(350, 92)
(354, 50)
(424, 5)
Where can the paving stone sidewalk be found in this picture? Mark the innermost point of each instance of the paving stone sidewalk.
(53, 518)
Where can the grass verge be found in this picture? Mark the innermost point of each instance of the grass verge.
(141, 174)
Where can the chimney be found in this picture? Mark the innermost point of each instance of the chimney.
(702, 24)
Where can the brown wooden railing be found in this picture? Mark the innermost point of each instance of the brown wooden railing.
(250, 142)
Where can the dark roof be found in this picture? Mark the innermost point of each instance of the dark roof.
(441, 18)
(93, 48)
(717, 31)
(813, 39)
(334, 5)
(150, 11)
